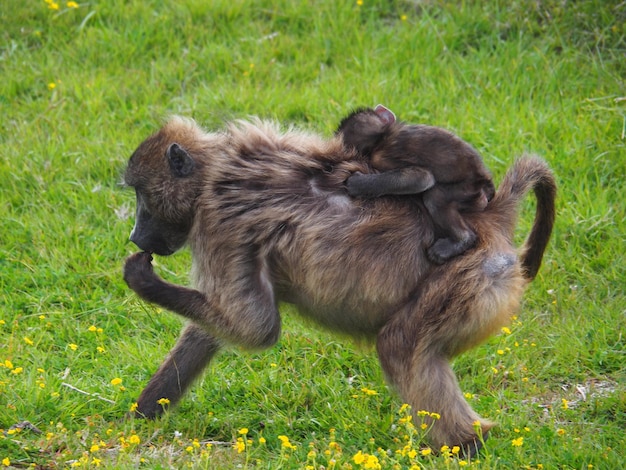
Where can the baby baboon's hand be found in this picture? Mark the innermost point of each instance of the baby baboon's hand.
(138, 269)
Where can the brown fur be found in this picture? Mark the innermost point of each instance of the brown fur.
(267, 218)
(446, 171)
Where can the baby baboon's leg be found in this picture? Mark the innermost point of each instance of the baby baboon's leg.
(455, 236)
(190, 356)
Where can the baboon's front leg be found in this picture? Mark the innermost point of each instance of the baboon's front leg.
(242, 312)
(190, 356)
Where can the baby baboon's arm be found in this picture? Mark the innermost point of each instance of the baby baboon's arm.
(407, 180)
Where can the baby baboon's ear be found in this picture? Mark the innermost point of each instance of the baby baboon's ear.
(385, 114)
(180, 161)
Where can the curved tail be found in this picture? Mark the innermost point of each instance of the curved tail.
(528, 173)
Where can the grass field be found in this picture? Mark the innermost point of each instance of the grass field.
(83, 83)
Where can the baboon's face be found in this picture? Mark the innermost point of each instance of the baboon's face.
(164, 177)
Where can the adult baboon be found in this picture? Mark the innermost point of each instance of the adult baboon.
(415, 159)
(268, 219)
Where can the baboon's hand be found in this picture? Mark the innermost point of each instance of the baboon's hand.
(138, 270)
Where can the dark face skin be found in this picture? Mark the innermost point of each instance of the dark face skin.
(154, 235)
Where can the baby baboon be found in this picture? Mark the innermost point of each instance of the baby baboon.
(267, 218)
(447, 171)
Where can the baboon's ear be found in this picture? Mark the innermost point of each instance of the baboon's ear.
(180, 161)
(385, 114)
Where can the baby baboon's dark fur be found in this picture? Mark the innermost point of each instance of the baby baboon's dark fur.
(448, 173)
(268, 219)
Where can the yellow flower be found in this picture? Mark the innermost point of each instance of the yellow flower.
(53, 5)
(240, 446)
(93, 328)
(116, 381)
(73, 346)
(72, 5)
(564, 404)
(518, 442)
(163, 401)
(100, 349)
(285, 442)
(8, 364)
(368, 391)
(358, 458)
(6, 461)
(560, 432)
(17, 370)
(133, 407)
(426, 452)
(403, 17)
(462, 463)
(28, 341)
(262, 440)
(455, 450)
(96, 462)
(506, 330)
(372, 462)
(134, 439)
(94, 448)
(359, 2)
(243, 431)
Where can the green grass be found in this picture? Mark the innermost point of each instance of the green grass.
(81, 87)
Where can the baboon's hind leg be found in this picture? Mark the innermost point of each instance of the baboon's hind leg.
(412, 348)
